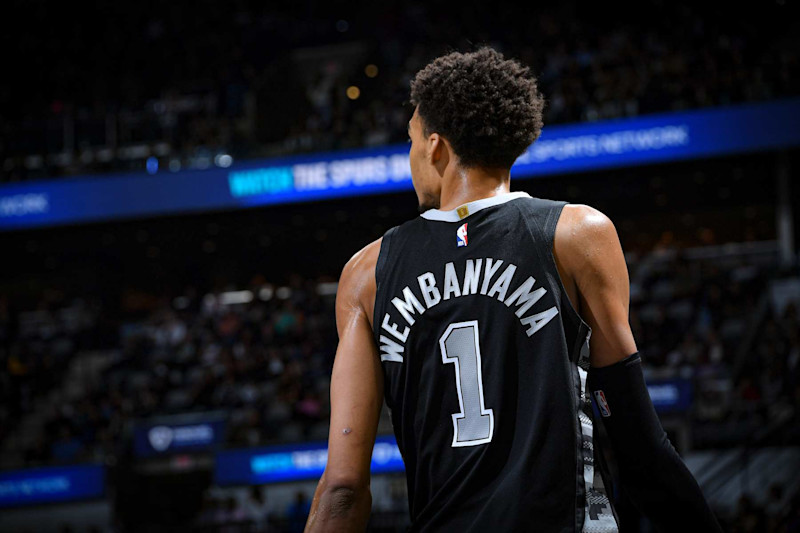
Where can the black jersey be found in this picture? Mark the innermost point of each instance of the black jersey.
(485, 362)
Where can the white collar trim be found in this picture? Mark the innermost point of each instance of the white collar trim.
(470, 208)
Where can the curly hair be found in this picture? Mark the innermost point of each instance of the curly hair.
(488, 107)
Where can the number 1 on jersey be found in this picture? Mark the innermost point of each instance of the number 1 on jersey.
(474, 424)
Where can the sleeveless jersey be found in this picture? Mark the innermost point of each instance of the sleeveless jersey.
(484, 363)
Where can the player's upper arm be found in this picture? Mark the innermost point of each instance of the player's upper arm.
(588, 247)
(357, 378)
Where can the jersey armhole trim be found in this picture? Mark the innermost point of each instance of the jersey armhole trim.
(380, 265)
(548, 236)
(583, 334)
(550, 227)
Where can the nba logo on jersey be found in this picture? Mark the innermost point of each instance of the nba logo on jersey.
(461, 235)
(602, 404)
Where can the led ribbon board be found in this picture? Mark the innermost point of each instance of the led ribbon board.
(670, 395)
(51, 485)
(290, 463)
(560, 149)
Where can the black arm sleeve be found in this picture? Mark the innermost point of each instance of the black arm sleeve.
(651, 471)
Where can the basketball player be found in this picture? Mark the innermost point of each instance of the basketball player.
(479, 322)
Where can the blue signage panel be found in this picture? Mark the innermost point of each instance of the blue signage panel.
(159, 439)
(670, 395)
(560, 149)
(662, 138)
(291, 463)
(51, 485)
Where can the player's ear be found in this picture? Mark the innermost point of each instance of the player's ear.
(435, 146)
(439, 151)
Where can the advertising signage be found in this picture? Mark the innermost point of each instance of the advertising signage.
(560, 149)
(297, 462)
(670, 395)
(166, 437)
(51, 485)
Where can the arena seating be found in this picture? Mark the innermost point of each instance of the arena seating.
(267, 361)
(254, 85)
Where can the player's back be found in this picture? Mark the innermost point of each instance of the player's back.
(482, 355)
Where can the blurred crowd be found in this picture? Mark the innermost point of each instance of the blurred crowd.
(193, 86)
(37, 347)
(779, 513)
(253, 513)
(714, 322)
(264, 355)
(267, 363)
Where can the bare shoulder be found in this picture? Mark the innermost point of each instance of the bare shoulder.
(583, 232)
(587, 248)
(357, 285)
(363, 263)
(589, 255)
(581, 223)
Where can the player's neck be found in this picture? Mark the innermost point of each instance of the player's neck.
(468, 185)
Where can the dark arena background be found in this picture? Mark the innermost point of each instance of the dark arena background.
(181, 184)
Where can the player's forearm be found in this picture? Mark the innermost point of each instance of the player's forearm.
(664, 490)
(339, 508)
(651, 471)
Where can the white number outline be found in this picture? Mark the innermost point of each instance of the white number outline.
(460, 415)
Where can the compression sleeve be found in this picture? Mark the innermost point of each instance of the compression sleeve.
(651, 471)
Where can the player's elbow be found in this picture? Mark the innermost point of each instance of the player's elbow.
(341, 500)
(343, 493)
(341, 504)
